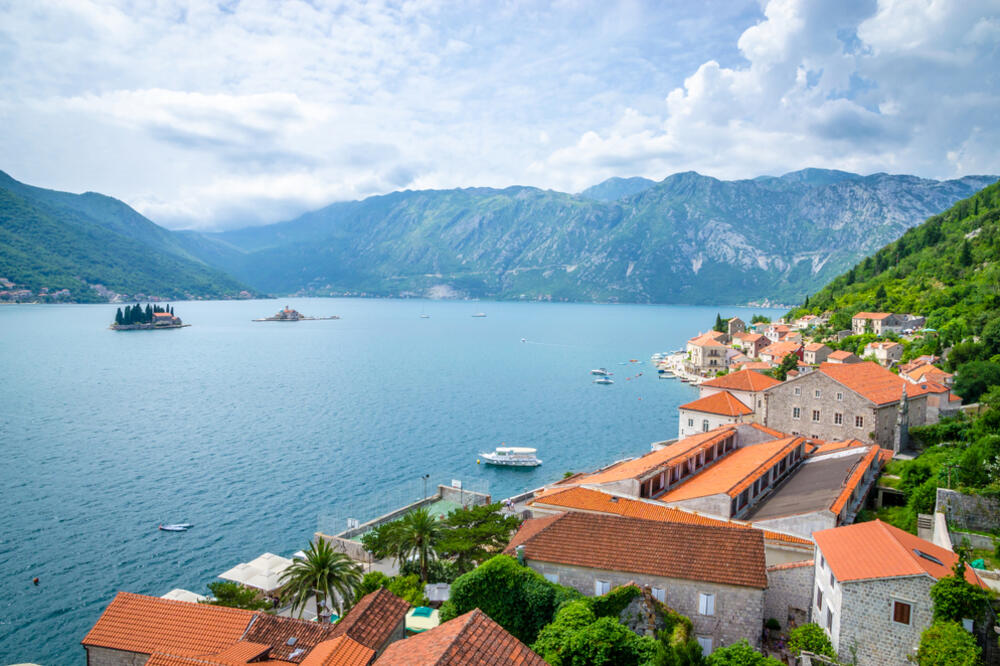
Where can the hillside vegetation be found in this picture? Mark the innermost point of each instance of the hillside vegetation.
(947, 268)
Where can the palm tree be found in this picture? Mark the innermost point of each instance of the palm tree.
(418, 534)
(322, 572)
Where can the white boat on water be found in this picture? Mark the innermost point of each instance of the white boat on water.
(601, 372)
(176, 527)
(604, 380)
(479, 314)
(512, 456)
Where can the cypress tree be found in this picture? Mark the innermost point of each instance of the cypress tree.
(119, 319)
(149, 313)
(719, 325)
(171, 311)
(965, 256)
(127, 315)
(806, 304)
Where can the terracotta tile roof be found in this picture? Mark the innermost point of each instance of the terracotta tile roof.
(372, 620)
(888, 344)
(340, 651)
(674, 550)
(722, 403)
(533, 526)
(930, 372)
(742, 380)
(735, 472)
(777, 434)
(748, 337)
(276, 631)
(137, 623)
(706, 340)
(780, 349)
(815, 346)
(840, 354)
(855, 478)
(871, 381)
(472, 639)
(792, 565)
(588, 499)
(872, 315)
(828, 447)
(870, 550)
(668, 455)
(756, 365)
(243, 651)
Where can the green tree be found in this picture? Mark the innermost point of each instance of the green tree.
(739, 654)
(119, 317)
(720, 325)
(965, 255)
(384, 542)
(760, 319)
(475, 534)
(517, 598)
(974, 378)
(418, 535)
(955, 598)
(607, 642)
(947, 644)
(234, 595)
(790, 362)
(811, 638)
(328, 574)
(408, 587)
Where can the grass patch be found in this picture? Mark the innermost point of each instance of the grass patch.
(889, 481)
(990, 556)
(897, 516)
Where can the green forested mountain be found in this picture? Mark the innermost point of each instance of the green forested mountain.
(686, 239)
(947, 268)
(56, 240)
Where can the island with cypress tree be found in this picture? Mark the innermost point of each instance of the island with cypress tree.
(152, 317)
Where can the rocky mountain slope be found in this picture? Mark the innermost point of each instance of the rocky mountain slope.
(687, 239)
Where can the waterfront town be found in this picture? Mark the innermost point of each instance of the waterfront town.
(758, 531)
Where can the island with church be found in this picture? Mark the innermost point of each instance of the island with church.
(152, 317)
(288, 314)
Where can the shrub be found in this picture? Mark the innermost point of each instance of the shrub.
(739, 654)
(947, 644)
(956, 598)
(811, 638)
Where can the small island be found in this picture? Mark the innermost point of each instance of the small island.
(288, 314)
(152, 317)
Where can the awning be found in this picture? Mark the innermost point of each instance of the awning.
(262, 573)
(177, 594)
(422, 618)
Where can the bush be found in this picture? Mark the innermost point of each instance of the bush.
(554, 639)
(615, 601)
(739, 654)
(608, 642)
(947, 644)
(234, 595)
(923, 497)
(974, 378)
(515, 597)
(956, 598)
(811, 638)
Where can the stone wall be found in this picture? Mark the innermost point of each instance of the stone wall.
(739, 611)
(98, 656)
(867, 626)
(780, 400)
(803, 524)
(788, 595)
(969, 512)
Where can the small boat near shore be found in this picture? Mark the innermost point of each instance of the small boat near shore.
(604, 380)
(479, 314)
(512, 456)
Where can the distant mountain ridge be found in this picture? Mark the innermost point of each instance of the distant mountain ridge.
(687, 239)
(90, 247)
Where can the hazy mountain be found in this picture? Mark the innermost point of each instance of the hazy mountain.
(57, 240)
(614, 189)
(686, 239)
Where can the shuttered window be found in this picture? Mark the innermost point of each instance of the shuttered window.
(706, 604)
(900, 612)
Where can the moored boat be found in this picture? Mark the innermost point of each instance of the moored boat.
(176, 527)
(602, 372)
(512, 456)
(604, 380)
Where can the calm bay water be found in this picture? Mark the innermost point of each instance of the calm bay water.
(260, 433)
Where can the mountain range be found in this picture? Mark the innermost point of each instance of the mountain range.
(686, 239)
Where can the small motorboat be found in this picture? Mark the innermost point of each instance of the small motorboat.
(479, 314)
(605, 380)
(512, 456)
(600, 372)
(177, 527)
(425, 316)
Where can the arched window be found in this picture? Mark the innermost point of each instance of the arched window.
(704, 425)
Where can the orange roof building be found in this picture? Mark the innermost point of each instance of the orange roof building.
(714, 575)
(150, 630)
(842, 356)
(777, 351)
(711, 411)
(472, 639)
(746, 381)
(874, 565)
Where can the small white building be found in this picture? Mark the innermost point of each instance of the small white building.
(710, 412)
(885, 353)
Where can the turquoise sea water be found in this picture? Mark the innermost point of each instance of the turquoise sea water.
(260, 433)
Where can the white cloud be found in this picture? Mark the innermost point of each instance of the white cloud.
(232, 113)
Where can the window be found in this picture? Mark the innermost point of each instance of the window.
(815, 416)
(690, 423)
(817, 393)
(798, 390)
(829, 619)
(859, 422)
(796, 412)
(660, 595)
(706, 644)
(704, 425)
(706, 604)
(819, 598)
(840, 395)
(552, 578)
(822, 562)
(838, 419)
(833, 581)
(900, 612)
(601, 587)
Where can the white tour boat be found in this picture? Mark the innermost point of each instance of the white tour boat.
(512, 456)
(602, 372)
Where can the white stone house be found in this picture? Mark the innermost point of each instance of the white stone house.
(715, 410)
(745, 385)
(878, 323)
(885, 353)
(815, 353)
(871, 590)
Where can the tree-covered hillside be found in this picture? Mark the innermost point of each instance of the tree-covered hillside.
(947, 268)
(52, 242)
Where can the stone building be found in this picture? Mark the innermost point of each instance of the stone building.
(878, 323)
(744, 385)
(777, 351)
(871, 590)
(815, 353)
(735, 325)
(707, 352)
(886, 353)
(713, 575)
(135, 630)
(839, 402)
(842, 357)
(750, 343)
(788, 595)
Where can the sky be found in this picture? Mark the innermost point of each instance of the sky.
(218, 115)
